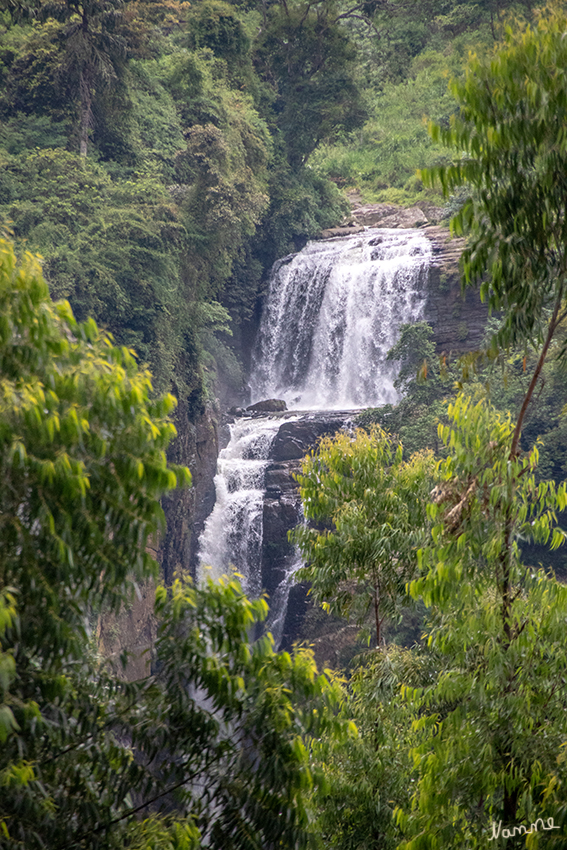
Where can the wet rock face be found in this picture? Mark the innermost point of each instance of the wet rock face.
(388, 215)
(383, 215)
(282, 507)
(458, 322)
(134, 627)
(295, 439)
(196, 446)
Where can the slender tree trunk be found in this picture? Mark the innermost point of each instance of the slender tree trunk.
(377, 615)
(510, 805)
(85, 92)
(506, 587)
(86, 113)
(554, 322)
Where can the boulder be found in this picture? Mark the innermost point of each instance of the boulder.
(295, 439)
(269, 405)
(382, 215)
(342, 230)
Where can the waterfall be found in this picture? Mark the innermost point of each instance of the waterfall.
(278, 602)
(232, 535)
(331, 314)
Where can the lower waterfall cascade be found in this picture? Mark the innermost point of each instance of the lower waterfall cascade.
(233, 532)
(331, 314)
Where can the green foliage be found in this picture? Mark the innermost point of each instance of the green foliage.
(66, 209)
(403, 65)
(8, 620)
(490, 722)
(425, 381)
(30, 73)
(188, 203)
(218, 26)
(265, 705)
(369, 774)
(86, 48)
(507, 379)
(301, 205)
(509, 145)
(375, 503)
(82, 460)
(382, 158)
(428, 382)
(22, 132)
(163, 834)
(499, 624)
(308, 57)
(221, 732)
(224, 170)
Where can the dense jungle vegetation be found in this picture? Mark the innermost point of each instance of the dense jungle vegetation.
(156, 155)
(159, 156)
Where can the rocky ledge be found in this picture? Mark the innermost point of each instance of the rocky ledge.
(383, 215)
(458, 320)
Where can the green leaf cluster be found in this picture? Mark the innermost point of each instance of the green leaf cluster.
(192, 185)
(211, 746)
(510, 145)
(368, 774)
(404, 62)
(371, 504)
(494, 720)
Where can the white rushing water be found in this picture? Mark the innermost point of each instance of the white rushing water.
(232, 536)
(278, 603)
(331, 314)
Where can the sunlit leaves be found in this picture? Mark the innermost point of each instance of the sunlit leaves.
(76, 422)
(509, 140)
(222, 731)
(496, 714)
(375, 503)
(259, 710)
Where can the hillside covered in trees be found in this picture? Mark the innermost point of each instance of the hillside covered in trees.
(159, 156)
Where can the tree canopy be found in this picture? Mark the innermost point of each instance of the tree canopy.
(510, 147)
(489, 718)
(497, 624)
(374, 502)
(211, 745)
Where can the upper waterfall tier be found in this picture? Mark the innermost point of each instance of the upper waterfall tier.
(331, 315)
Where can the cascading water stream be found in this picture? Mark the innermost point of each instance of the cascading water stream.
(233, 532)
(331, 315)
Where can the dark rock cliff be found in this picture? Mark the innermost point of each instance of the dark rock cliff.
(282, 506)
(134, 629)
(458, 321)
(196, 446)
